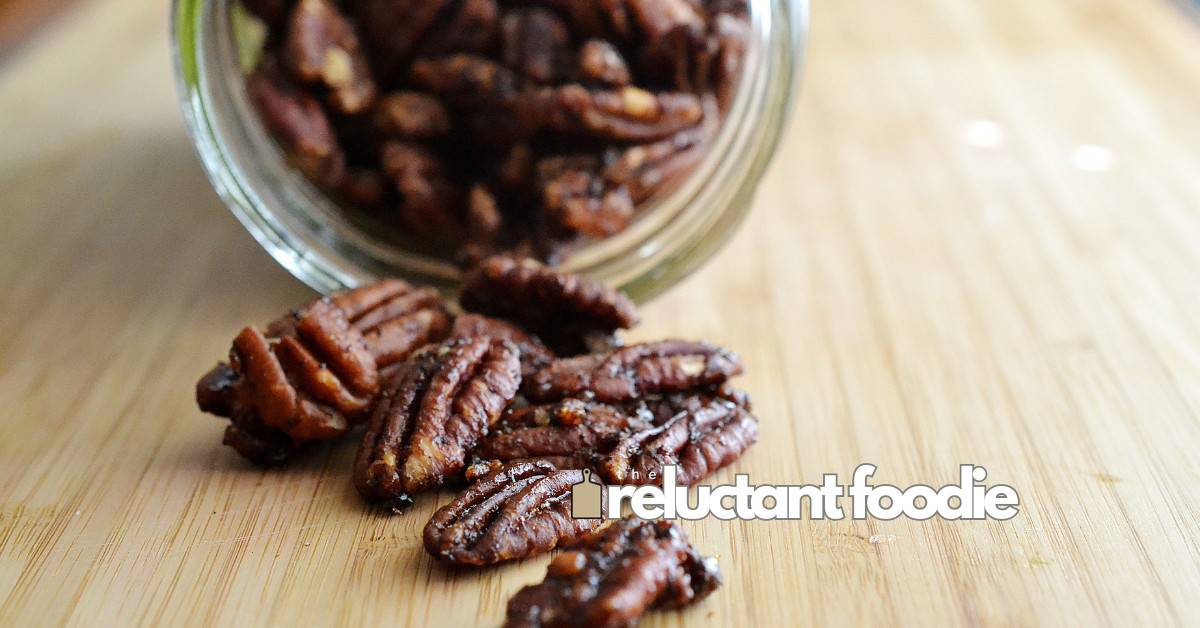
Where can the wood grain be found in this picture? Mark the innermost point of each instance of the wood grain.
(979, 244)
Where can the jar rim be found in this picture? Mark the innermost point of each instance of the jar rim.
(305, 232)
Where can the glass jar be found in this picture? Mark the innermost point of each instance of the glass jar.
(312, 237)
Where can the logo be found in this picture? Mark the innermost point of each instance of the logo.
(969, 499)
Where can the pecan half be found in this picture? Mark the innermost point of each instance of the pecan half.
(635, 371)
(322, 47)
(576, 196)
(697, 442)
(549, 302)
(298, 123)
(515, 512)
(621, 573)
(629, 114)
(534, 353)
(432, 412)
(395, 318)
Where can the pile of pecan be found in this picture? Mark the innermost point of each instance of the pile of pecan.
(497, 125)
(513, 394)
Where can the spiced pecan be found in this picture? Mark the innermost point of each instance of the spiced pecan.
(321, 46)
(464, 78)
(732, 35)
(546, 301)
(576, 196)
(601, 62)
(534, 353)
(635, 371)
(628, 114)
(432, 412)
(697, 442)
(395, 318)
(411, 115)
(298, 123)
(429, 200)
(535, 43)
(518, 511)
(466, 26)
(621, 572)
(646, 168)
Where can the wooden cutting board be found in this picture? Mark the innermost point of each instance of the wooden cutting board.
(980, 244)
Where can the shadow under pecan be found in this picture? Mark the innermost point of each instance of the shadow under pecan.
(518, 511)
(322, 47)
(299, 124)
(697, 442)
(633, 372)
(311, 375)
(559, 307)
(620, 573)
(432, 412)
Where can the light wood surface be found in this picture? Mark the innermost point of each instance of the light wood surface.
(979, 245)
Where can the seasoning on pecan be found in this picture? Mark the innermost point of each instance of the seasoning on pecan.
(545, 300)
(697, 442)
(621, 572)
(635, 371)
(628, 114)
(411, 115)
(535, 43)
(322, 47)
(534, 353)
(601, 62)
(298, 123)
(518, 511)
(432, 412)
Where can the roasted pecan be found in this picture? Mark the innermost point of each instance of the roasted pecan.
(535, 43)
(464, 78)
(429, 200)
(629, 114)
(697, 442)
(601, 62)
(644, 169)
(576, 196)
(394, 28)
(620, 573)
(534, 353)
(544, 300)
(395, 318)
(298, 123)
(593, 18)
(411, 115)
(467, 26)
(432, 412)
(322, 47)
(518, 511)
(635, 371)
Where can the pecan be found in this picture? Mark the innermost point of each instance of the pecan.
(428, 198)
(647, 168)
(298, 123)
(433, 410)
(464, 78)
(411, 115)
(577, 197)
(601, 62)
(484, 226)
(593, 18)
(535, 43)
(620, 573)
(551, 303)
(534, 353)
(733, 37)
(468, 26)
(698, 442)
(635, 371)
(629, 114)
(395, 318)
(515, 512)
(394, 28)
(322, 47)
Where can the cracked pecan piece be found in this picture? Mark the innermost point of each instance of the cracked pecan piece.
(559, 307)
(518, 511)
(433, 410)
(295, 119)
(534, 353)
(619, 574)
(322, 47)
(697, 442)
(632, 372)
(628, 114)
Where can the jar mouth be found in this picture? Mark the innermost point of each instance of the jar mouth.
(315, 239)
